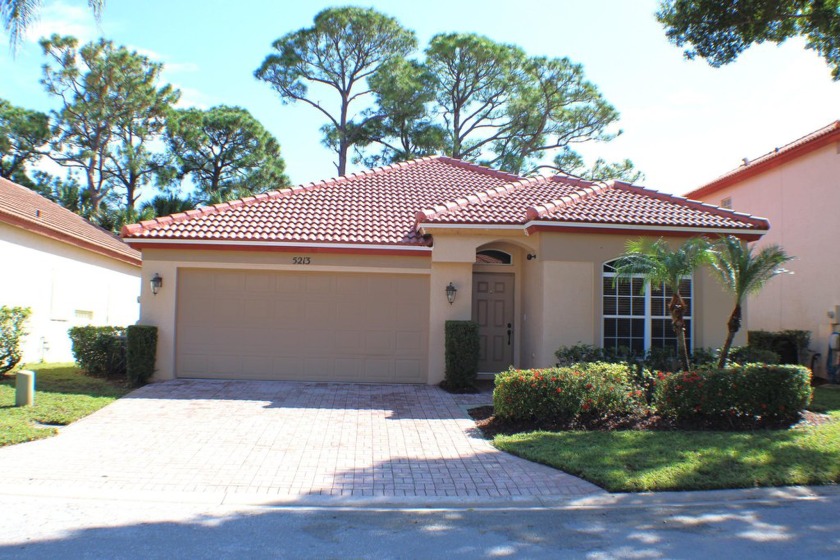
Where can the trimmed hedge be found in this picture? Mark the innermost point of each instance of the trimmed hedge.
(581, 353)
(100, 351)
(462, 351)
(563, 394)
(790, 345)
(141, 347)
(738, 396)
(12, 320)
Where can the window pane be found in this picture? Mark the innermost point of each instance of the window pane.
(624, 306)
(610, 306)
(639, 306)
(657, 307)
(608, 287)
(623, 330)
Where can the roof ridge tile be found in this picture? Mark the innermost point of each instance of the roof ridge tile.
(481, 196)
(538, 211)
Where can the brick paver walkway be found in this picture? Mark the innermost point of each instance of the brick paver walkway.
(285, 439)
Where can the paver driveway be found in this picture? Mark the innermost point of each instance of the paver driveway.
(284, 439)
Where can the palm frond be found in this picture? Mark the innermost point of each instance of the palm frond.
(658, 263)
(741, 270)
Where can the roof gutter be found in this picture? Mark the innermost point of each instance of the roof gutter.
(56, 235)
(585, 227)
(280, 246)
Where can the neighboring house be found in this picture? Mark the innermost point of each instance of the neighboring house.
(67, 270)
(346, 279)
(797, 187)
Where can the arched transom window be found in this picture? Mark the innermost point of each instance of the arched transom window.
(637, 317)
(492, 256)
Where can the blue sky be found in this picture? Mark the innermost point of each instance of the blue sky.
(684, 123)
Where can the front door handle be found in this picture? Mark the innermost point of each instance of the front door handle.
(510, 331)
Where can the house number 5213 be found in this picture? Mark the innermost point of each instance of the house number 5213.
(301, 260)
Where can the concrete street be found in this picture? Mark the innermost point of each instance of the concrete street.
(771, 523)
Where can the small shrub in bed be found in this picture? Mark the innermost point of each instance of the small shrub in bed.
(736, 397)
(565, 394)
(141, 346)
(580, 353)
(12, 321)
(100, 351)
(462, 351)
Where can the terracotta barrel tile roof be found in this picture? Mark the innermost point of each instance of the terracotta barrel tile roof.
(391, 205)
(26, 209)
(375, 207)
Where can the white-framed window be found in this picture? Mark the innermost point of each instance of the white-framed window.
(637, 317)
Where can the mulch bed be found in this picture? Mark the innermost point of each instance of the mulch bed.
(491, 426)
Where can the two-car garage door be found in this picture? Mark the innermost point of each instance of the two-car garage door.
(308, 326)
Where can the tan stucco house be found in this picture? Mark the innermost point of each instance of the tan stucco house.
(67, 270)
(797, 187)
(346, 279)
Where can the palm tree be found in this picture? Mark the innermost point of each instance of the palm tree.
(17, 15)
(743, 272)
(659, 264)
(167, 204)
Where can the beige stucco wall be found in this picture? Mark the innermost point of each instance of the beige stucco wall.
(64, 286)
(557, 294)
(160, 310)
(801, 199)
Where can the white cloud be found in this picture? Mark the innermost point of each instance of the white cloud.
(191, 97)
(169, 67)
(64, 19)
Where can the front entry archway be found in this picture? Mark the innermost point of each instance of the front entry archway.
(493, 310)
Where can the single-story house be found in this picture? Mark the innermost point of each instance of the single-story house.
(68, 271)
(352, 279)
(797, 187)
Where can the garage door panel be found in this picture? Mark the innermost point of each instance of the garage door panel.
(408, 342)
(347, 341)
(379, 369)
(289, 284)
(379, 343)
(349, 369)
(319, 284)
(259, 283)
(318, 313)
(256, 312)
(287, 367)
(409, 371)
(351, 284)
(302, 326)
(229, 282)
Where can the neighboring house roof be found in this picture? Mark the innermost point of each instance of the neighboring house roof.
(796, 149)
(393, 206)
(24, 208)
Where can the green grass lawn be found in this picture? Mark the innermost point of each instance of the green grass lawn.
(62, 395)
(633, 461)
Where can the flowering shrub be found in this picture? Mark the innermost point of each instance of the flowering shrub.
(563, 394)
(737, 396)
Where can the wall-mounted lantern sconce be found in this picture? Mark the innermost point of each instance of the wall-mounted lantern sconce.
(531, 256)
(451, 290)
(156, 283)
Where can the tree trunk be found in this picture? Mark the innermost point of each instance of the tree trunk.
(677, 308)
(733, 326)
(343, 143)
